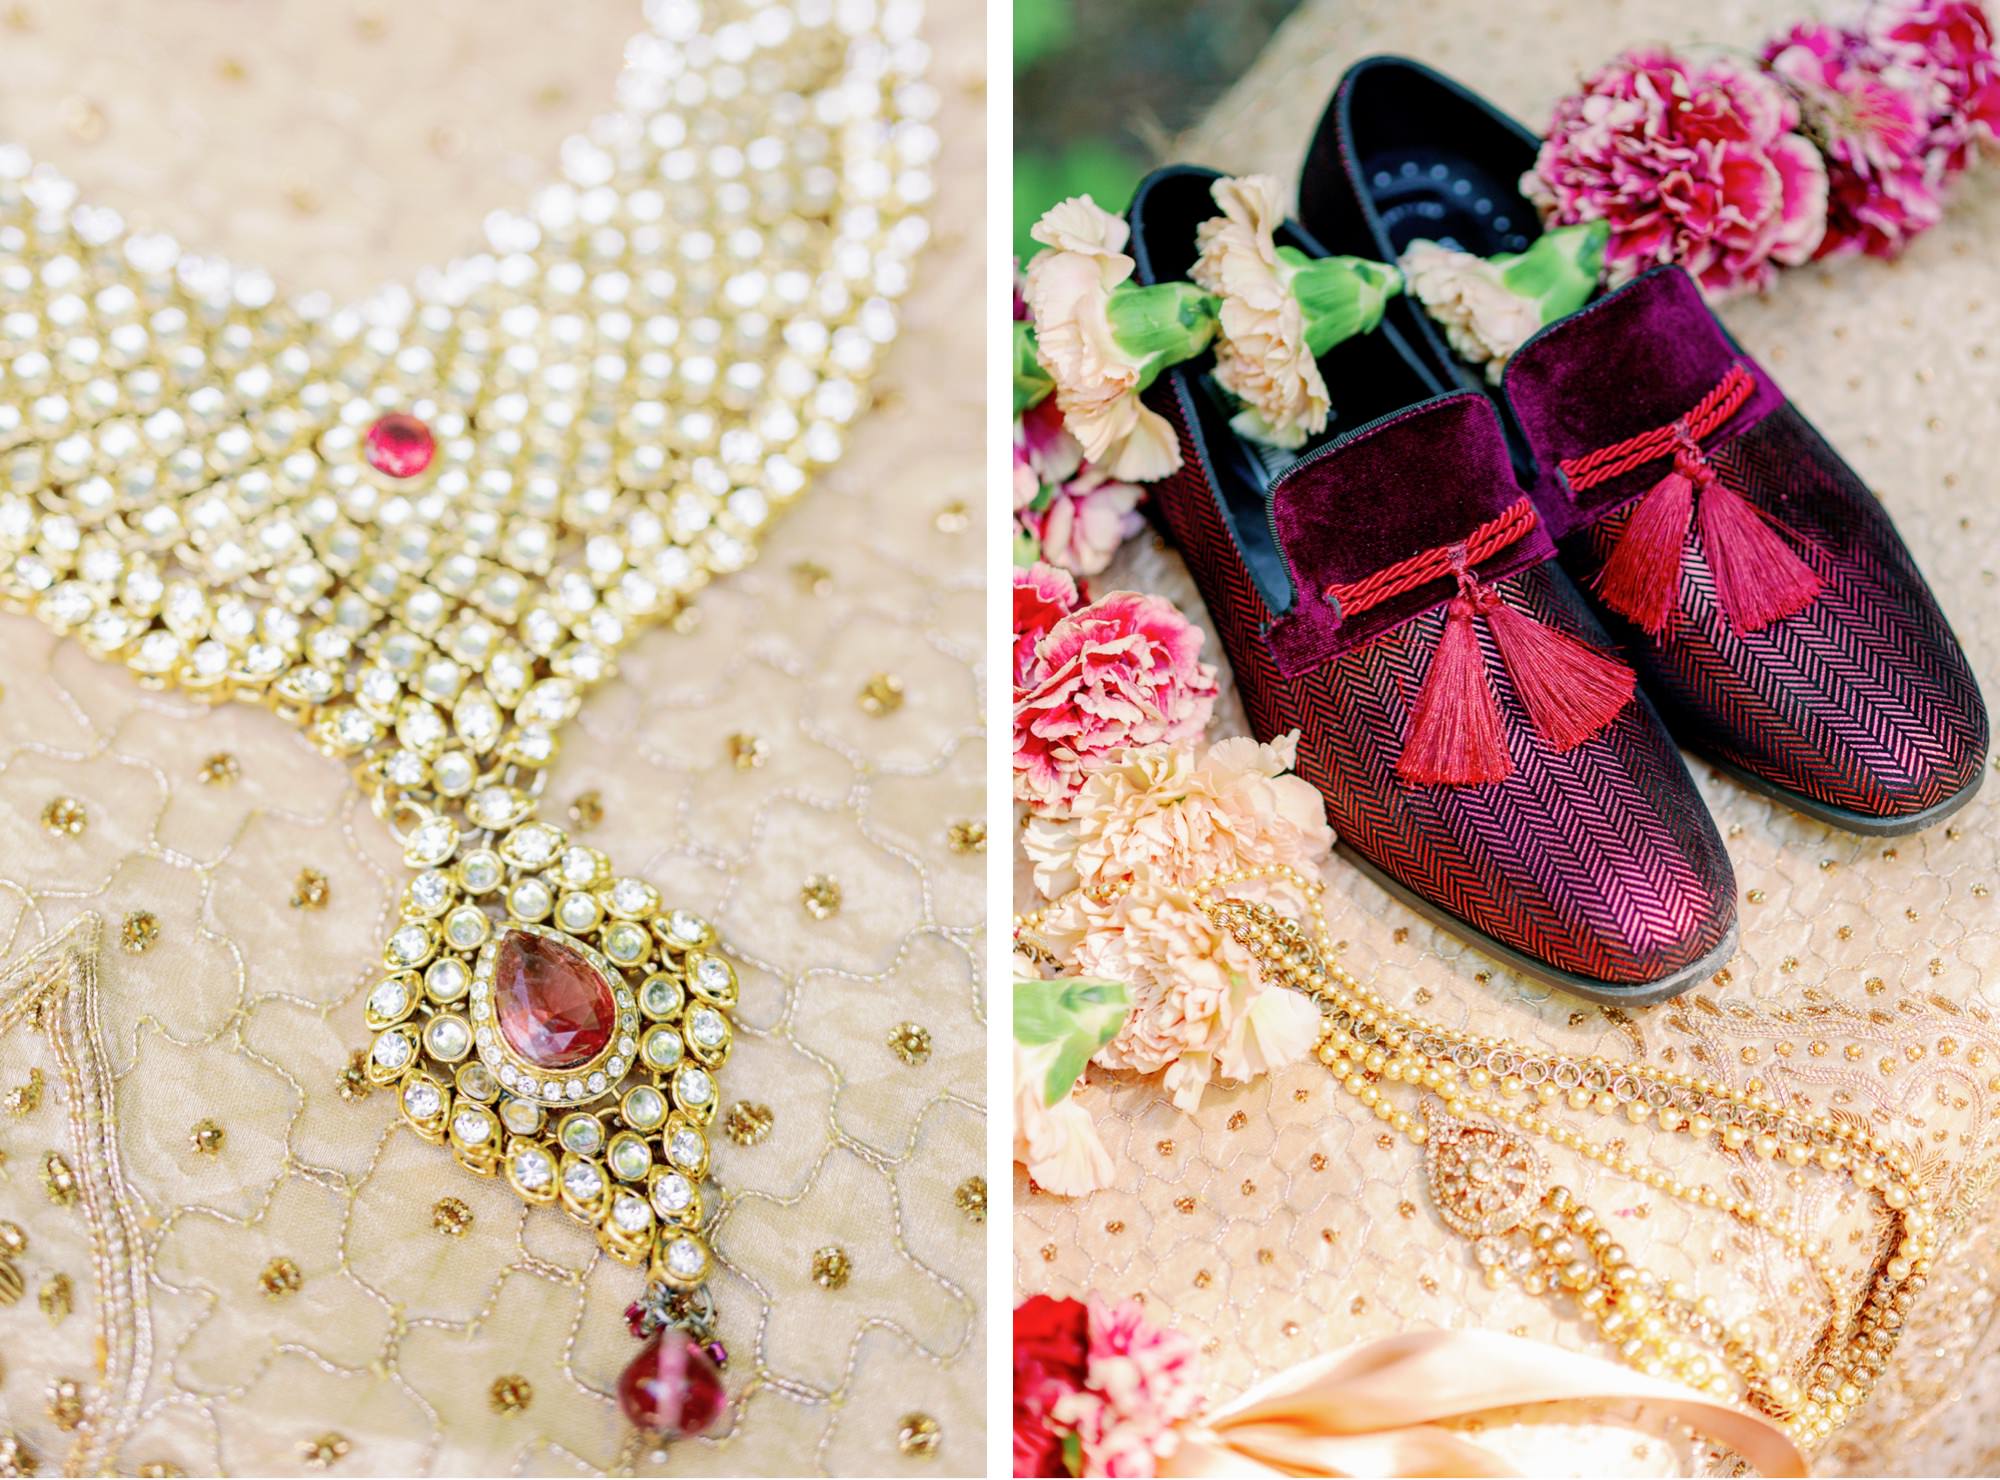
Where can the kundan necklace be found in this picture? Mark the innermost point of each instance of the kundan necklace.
(422, 527)
(1475, 1104)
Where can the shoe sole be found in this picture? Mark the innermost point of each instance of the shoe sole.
(1854, 822)
(1636, 994)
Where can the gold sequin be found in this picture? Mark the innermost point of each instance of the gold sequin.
(65, 1405)
(831, 1268)
(746, 751)
(1165, 1148)
(820, 895)
(207, 1137)
(1755, 896)
(510, 1394)
(159, 1469)
(13, 1241)
(812, 578)
(1317, 1161)
(451, 1217)
(324, 1452)
(352, 1080)
(586, 810)
(58, 1181)
(1237, 1121)
(910, 1042)
(231, 69)
(64, 817)
(970, 1198)
(220, 769)
(57, 1298)
(918, 1435)
(966, 837)
(748, 1122)
(280, 1277)
(881, 695)
(310, 890)
(1203, 1279)
(1184, 1204)
(25, 1098)
(16, 1458)
(138, 932)
(1115, 1227)
(954, 518)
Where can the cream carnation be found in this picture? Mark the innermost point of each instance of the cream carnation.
(1482, 321)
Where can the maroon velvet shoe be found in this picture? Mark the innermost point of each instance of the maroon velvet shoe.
(1391, 594)
(1771, 609)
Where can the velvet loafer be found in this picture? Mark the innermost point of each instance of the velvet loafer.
(1773, 613)
(1390, 592)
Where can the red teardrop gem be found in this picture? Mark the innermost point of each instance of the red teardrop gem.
(555, 1010)
(399, 445)
(672, 1387)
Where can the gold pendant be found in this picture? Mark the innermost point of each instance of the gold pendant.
(555, 1025)
(1485, 1181)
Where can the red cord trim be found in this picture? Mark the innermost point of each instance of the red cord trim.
(1709, 413)
(1434, 564)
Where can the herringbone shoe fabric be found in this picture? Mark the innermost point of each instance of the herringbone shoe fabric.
(1858, 706)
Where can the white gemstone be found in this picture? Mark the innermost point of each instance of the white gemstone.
(583, 1181)
(630, 1214)
(673, 1194)
(686, 928)
(447, 1037)
(446, 979)
(625, 943)
(519, 1116)
(660, 996)
(421, 1099)
(454, 771)
(480, 870)
(686, 1148)
(577, 912)
(578, 867)
(630, 897)
(692, 1086)
(663, 1048)
(432, 843)
(645, 1107)
(684, 1258)
(532, 1170)
(389, 999)
(471, 1127)
(534, 844)
(713, 975)
(583, 1135)
(615, 1067)
(476, 1079)
(467, 927)
(391, 1051)
(430, 890)
(530, 900)
(706, 1026)
(630, 1159)
(410, 944)
(574, 1089)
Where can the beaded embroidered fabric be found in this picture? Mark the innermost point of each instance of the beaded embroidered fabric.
(284, 1275)
(1282, 1220)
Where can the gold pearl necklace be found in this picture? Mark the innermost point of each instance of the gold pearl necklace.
(422, 527)
(1478, 1100)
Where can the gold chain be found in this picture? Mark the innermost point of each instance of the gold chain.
(1490, 1185)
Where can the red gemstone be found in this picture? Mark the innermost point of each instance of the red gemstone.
(400, 445)
(672, 1387)
(555, 1010)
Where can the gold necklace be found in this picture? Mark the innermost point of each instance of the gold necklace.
(1479, 1099)
(422, 527)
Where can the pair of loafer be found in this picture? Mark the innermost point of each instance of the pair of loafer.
(1434, 593)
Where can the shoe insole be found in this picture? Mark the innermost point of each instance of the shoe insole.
(1426, 194)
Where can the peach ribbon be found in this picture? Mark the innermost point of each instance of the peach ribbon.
(1375, 1409)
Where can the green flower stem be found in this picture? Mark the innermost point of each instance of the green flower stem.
(1062, 1023)
(1031, 381)
(1339, 296)
(1162, 325)
(1560, 271)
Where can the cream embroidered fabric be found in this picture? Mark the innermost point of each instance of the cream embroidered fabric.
(340, 145)
(1280, 1222)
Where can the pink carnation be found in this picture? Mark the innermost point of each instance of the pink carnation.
(1043, 596)
(1072, 513)
(1141, 1382)
(1124, 671)
(1871, 120)
(1950, 43)
(1695, 164)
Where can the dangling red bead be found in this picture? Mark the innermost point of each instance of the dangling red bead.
(672, 1387)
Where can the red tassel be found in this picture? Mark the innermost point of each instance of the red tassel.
(1758, 577)
(1454, 737)
(1570, 689)
(1642, 578)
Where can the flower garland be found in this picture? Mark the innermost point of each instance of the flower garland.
(1841, 137)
